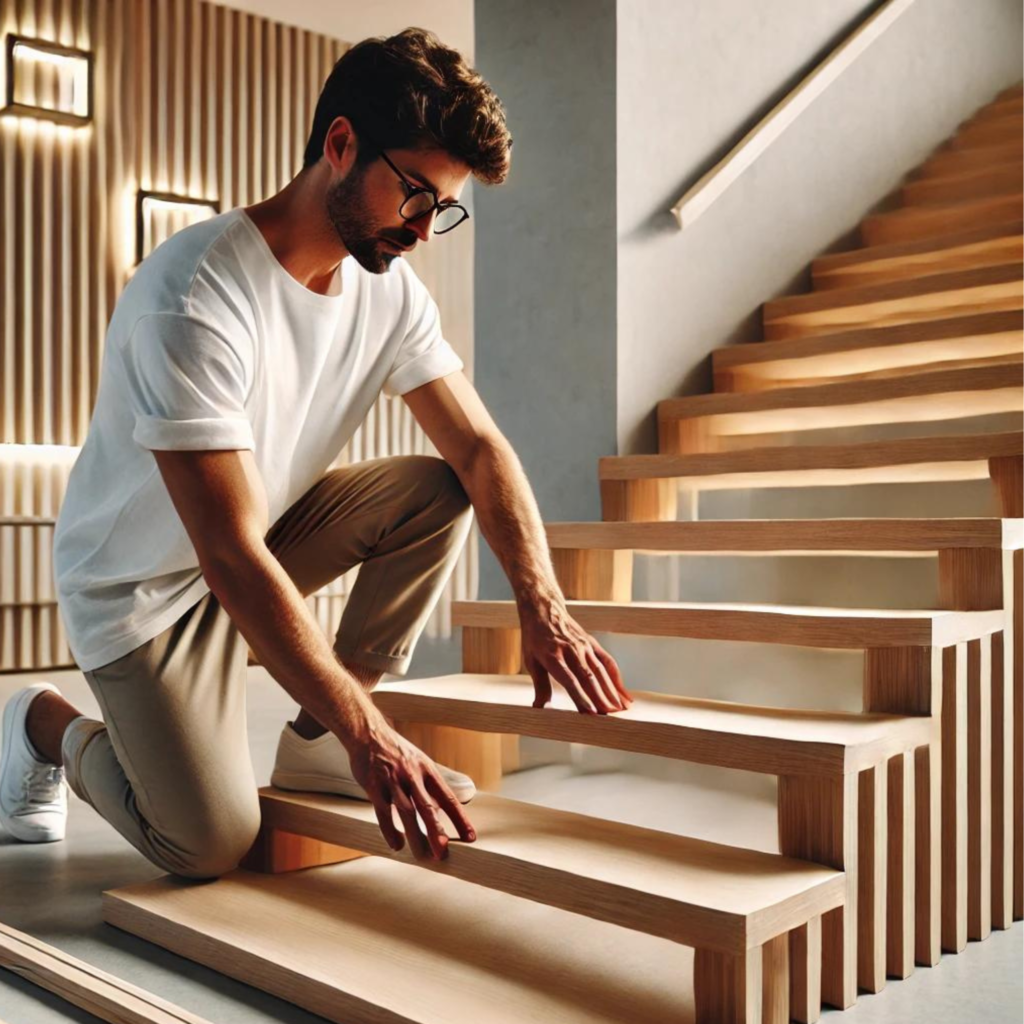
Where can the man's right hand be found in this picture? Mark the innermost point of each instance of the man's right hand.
(396, 773)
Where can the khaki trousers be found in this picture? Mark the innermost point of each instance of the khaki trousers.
(169, 765)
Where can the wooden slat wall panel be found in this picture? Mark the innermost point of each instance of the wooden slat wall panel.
(192, 98)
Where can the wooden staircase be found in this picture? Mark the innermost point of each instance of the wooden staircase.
(900, 829)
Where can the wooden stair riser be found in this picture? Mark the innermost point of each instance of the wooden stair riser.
(1001, 180)
(939, 296)
(683, 427)
(981, 339)
(915, 222)
(965, 250)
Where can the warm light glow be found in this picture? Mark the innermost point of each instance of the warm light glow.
(48, 454)
(161, 215)
(47, 82)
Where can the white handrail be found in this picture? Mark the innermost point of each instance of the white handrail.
(701, 195)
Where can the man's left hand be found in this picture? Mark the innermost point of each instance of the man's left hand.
(554, 644)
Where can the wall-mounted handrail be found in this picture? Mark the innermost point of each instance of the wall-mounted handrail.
(701, 195)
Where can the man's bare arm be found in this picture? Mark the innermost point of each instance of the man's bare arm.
(222, 503)
(455, 419)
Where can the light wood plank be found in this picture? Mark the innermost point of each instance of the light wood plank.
(979, 789)
(708, 422)
(688, 890)
(986, 246)
(872, 867)
(805, 972)
(853, 536)
(954, 799)
(339, 931)
(870, 353)
(727, 988)
(958, 292)
(907, 460)
(103, 995)
(818, 819)
(900, 910)
(799, 625)
(773, 740)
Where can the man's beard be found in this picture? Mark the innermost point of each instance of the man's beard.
(356, 229)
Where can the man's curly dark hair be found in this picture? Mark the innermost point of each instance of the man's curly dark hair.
(410, 91)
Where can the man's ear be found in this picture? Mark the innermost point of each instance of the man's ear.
(341, 145)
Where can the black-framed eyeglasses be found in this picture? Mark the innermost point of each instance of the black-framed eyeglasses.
(421, 202)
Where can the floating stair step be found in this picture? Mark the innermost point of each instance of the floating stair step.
(955, 161)
(795, 625)
(960, 292)
(330, 940)
(939, 219)
(687, 890)
(989, 132)
(906, 460)
(992, 245)
(704, 423)
(867, 537)
(1001, 179)
(871, 352)
(840, 753)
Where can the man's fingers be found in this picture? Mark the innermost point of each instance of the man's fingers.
(449, 803)
(541, 685)
(428, 810)
(564, 675)
(382, 807)
(607, 686)
(613, 670)
(590, 682)
(407, 812)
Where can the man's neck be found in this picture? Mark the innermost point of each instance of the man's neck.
(295, 226)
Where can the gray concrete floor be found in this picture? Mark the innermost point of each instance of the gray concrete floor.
(52, 891)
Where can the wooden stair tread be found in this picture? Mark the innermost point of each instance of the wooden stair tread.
(331, 940)
(773, 741)
(906, 460)
(997, 236)
(796, 625)
(933, 394)
(877, 349)
(1011, 273)
(687, 890)
(792, 536)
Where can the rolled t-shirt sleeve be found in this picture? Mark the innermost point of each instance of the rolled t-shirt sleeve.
(424, 354)
(187, 384)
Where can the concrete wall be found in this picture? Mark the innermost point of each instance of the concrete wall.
(689, 80)
(545, 251)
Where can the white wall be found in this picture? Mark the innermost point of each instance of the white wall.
(451, 20)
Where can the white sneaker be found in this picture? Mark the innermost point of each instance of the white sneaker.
(33, 791)
(322, 766)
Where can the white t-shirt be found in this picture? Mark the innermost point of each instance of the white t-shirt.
(213, 344)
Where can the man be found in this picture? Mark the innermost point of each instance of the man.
(239, 361)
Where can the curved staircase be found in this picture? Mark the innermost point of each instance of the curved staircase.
(900, 829)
